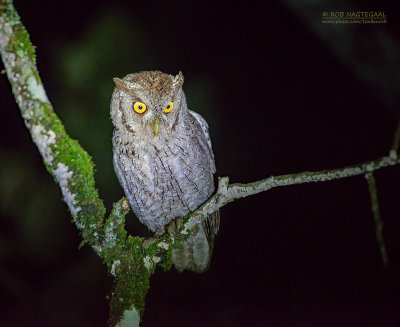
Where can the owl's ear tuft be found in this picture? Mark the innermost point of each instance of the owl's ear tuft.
(125, 85)
(178, 82)
(120, 84)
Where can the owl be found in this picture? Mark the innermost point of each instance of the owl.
(163, 158)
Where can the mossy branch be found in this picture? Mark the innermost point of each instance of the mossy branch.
(64, 158)
(69, 164)
(129, 260)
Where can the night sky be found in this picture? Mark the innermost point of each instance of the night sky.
(278, 100)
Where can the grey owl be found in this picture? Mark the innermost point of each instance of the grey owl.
(163, 158)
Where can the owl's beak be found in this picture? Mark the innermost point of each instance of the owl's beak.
(156, 125)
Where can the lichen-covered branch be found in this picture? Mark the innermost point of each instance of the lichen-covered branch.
(229, 192)
(377, 216)
(64, 158)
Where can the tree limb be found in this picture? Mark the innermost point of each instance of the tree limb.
(63, 157)
(66, 160)
(229, 192)
(377, 216)
(396, 140)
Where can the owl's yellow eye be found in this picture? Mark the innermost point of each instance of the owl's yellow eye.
(169, 107)
(139, 107)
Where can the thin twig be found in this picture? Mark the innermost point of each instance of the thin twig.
(377, 217)
(396, 139)
(229, 192)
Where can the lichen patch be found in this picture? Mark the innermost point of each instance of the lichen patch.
(156, 259)
(130, 318)
(114, 266)
(163, 245)
(43, 139)
(110, 237)
(36, 89)
(147, 262)
(63, 175)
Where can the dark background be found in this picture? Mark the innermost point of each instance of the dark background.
(279, 99)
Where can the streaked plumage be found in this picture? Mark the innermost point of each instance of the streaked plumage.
(164, 161)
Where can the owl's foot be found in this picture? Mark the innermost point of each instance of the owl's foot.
(174, 225)
(159, 232)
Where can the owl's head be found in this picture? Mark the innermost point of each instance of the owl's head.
(148, 103)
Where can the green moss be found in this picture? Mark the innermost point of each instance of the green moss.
(10, 14)
(167, 262)
(131, 275)
(131, 279)
(154, 250)
(50, 120)
(115, 224)
(69, 152)
(26, 71)
(20, 42)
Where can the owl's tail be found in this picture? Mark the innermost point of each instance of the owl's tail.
(197, 250)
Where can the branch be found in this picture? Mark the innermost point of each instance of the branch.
(73, 170)
(63, 157)
(377, 216)
(396, 140)
(227, 193)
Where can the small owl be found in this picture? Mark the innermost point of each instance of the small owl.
(163, 159)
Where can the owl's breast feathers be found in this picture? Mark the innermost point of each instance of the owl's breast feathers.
(168, 177)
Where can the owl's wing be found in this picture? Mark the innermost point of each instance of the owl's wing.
(198, 248)
(204, 127)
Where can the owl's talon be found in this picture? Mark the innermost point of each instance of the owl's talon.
(178, 222)
(174, 226)
(171, 228)
(160, 232)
